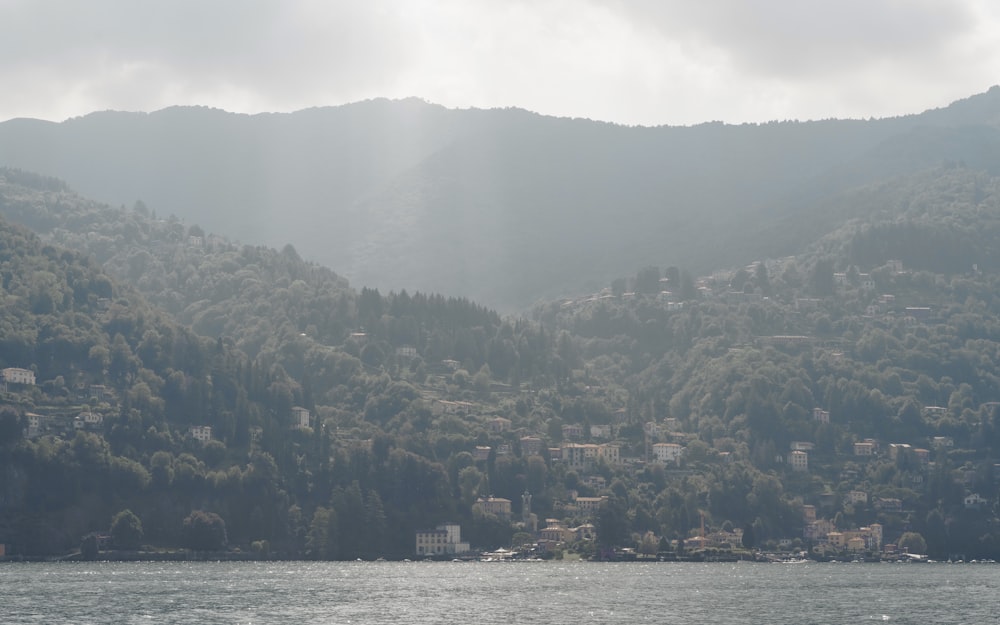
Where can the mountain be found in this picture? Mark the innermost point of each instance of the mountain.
(502, 206)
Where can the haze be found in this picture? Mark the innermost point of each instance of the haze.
(630, 62)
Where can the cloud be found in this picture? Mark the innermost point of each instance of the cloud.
(632, 61)
(803, 38)
(144, 52)
(811, 58)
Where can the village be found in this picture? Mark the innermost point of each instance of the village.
(597, 452)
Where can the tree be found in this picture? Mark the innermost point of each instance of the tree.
(374, 535)
(481, 381)
(612, 523)
(762, 279)
(204, 531)
(321, 540)
(126, 530)
(89, 547)
(471, 482)
(688, 289)
(740, 279)
(618, 286)
(673, 276)
(912, 542)
(647, 281)
(649, 544)
(10, 426)
(821, 279)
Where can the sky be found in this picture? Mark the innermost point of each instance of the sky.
(634, 62)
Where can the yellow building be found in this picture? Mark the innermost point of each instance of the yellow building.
(497, 506)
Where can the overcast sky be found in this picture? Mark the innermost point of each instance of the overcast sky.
(643, 62)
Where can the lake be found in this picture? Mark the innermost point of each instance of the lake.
(484, 593)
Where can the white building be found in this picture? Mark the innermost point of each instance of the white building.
(91, 419)
(300, 416)
(600, 431)
(668, 453)
(581, 456)
(855, 497)
(446, 539)
(798, 460)
(201, 432)
(406, 351)
(14, 375)
(974, 501)
(35, 423)
(864, 448)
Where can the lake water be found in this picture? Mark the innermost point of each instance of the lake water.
(484, 593)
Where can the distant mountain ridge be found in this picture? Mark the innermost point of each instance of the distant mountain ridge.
(502, 206)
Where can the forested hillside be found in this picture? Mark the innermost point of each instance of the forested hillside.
(502, 206)
(343, 420)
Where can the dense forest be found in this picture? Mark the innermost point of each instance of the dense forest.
(342, 420)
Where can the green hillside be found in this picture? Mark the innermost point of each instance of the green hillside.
(883, 332)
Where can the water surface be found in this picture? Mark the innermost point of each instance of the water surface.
(484, 593)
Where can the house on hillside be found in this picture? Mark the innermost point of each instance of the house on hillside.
(581, 456)
(36, 423)
(406, 351)
(300, 417)
(798, 460)
(864, 448)
(943, 442)
(531, 446)
(587, 506)
(444, 406)
(667, 453)
(498, 425)
(90, 420)
(889, 504)
(16, 375)
(600, 431)
(201, 433)
(898, 449)
(497, 506)
(856, 497)
(973, 501)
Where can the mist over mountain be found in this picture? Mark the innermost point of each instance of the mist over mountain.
(502, 206)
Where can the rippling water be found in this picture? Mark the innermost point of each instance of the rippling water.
(484, 593)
